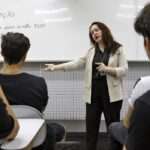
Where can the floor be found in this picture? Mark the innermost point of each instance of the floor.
(76, 141)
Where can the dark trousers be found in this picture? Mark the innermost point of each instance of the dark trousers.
(118, 135)
(93, 118)
(55, 133)
(139, 130)
(138, 135)
(99, 103)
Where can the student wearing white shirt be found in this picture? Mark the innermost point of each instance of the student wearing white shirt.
(134, 131)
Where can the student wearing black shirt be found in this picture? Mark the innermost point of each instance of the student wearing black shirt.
(23, 88)
(20, 88)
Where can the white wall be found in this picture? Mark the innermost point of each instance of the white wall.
(58, 29)
(66, 87)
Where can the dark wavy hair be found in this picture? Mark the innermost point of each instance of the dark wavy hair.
(109, 42)
(14, 47)
(142, 22)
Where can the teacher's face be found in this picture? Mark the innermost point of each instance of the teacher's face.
(96, 33)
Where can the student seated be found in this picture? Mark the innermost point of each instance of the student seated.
(134, 132)
(20, 87)
(9, 126)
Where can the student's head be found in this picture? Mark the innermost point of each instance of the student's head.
(142, 26)
(99, 32)
(14, 47)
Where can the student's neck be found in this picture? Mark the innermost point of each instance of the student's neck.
(11, 69)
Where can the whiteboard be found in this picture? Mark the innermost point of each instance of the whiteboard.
(58, 29)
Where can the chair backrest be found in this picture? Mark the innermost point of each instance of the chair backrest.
(24, 111)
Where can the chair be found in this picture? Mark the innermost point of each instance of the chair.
(27, 117)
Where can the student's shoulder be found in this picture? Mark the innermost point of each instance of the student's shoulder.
(145, 80)
(141, 88)
(33, 77)
(143, 84)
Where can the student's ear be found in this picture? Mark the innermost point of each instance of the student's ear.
(147, 46)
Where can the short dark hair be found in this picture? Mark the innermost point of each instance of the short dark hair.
(14, 47)
(142, 22)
